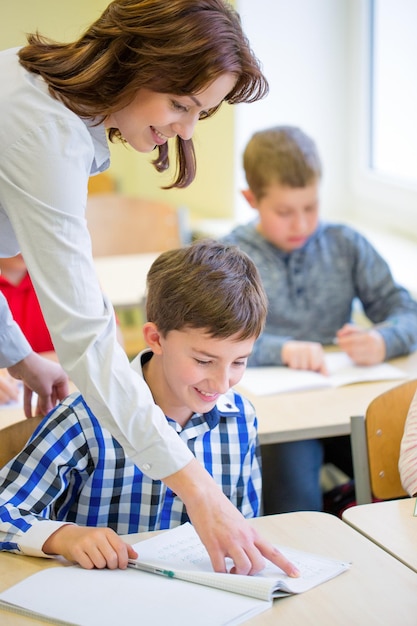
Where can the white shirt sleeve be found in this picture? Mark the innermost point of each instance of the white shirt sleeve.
(43, 189)
(408, 451)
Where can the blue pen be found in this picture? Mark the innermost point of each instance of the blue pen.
(151, 569)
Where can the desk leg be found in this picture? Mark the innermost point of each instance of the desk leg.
(360, 459)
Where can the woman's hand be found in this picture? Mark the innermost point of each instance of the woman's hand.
(44, 377)
(221, 527)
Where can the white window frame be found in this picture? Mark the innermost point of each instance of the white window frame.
(377, 199)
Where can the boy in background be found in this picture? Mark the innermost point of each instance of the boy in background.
(17, 287)
(205, 308)
(312, 272)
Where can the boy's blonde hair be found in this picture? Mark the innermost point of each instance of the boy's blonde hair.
(283, 155)
(207, 285)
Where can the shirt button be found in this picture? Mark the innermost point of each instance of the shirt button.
(146, 467)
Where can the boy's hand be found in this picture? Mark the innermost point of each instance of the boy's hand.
(9, 388)
(365, 347)
(221, 527)
(90, 547)
(304, 355)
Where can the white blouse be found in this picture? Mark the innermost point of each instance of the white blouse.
(47, 155)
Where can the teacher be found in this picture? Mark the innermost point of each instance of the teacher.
(145, 72)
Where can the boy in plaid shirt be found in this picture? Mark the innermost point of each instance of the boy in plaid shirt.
(72, 489)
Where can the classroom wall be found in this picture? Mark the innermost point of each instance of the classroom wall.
(304, 48)
(211, 194)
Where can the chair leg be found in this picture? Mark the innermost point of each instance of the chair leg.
(360, 460)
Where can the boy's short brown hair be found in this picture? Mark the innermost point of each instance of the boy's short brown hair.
(208, 285)
(283, 155)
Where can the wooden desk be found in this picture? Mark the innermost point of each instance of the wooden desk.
(10, 415)
(123, 278)
(378, 590)
(391, 525)
(322, 412)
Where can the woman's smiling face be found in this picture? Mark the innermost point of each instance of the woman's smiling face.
(152, 117)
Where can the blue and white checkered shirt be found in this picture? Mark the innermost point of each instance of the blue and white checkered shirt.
(72, 470)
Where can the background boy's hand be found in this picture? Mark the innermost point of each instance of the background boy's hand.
(365, 347)
(90, 547)
(9, 387)
(304, 355)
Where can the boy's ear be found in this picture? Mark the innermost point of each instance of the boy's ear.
(152, 337)
(250, 198)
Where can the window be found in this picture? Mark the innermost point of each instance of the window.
(394, 88)
(383, 126)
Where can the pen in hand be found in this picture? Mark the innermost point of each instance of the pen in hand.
(351, 329)
(363, 346)
(143, 567)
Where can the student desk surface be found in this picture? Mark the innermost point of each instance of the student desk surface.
(123, 278)
(376, 590)
(321, 412)
(391, 525)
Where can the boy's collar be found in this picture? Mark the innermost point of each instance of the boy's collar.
(225, 407)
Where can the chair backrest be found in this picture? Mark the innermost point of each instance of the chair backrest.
(14, 437)
(101, 183)
(120, 224)
(385, 419)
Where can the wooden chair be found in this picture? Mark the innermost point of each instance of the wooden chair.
(15, 436)
(101, 183)
(120, 224)
(376, 439)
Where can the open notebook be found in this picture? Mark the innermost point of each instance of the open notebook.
(181, 554)
(342, 371)
(71, 595)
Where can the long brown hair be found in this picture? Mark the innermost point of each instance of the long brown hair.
(167, 46)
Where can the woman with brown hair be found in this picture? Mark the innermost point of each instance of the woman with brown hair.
(145, 72)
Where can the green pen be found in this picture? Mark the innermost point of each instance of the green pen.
(143, 567)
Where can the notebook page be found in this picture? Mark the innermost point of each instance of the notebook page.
(342, 371)
(79, 597)
(181, 550)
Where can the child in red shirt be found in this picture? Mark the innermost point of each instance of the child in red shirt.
(17, 288)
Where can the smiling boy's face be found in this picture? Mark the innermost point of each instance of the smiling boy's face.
(191, 369)
(288, 216)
